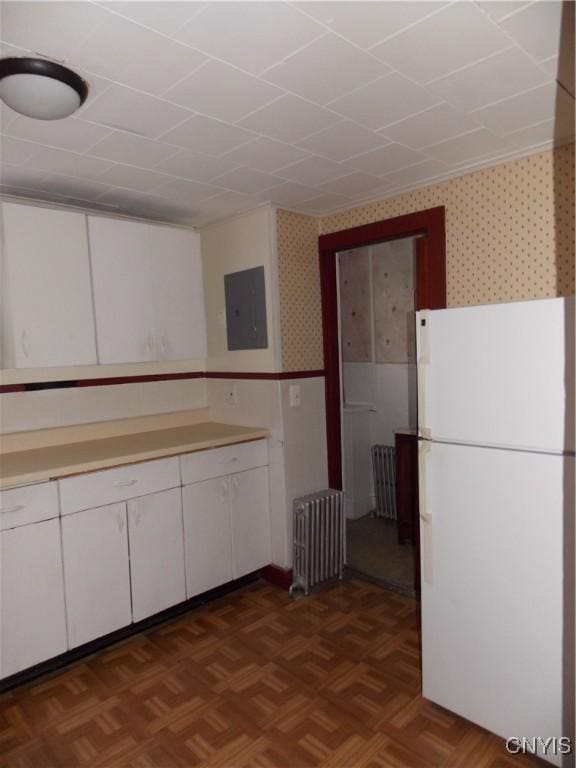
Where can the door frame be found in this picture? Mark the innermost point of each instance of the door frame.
(430, 294)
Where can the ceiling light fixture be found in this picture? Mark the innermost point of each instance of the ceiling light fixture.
(40, 88)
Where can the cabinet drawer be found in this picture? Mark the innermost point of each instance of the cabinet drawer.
(28, 504)
(111, 485)
(217, 462)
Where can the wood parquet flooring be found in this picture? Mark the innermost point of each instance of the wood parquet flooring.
(252, 680)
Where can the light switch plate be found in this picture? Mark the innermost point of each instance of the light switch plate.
(232, 397)
(294, 395)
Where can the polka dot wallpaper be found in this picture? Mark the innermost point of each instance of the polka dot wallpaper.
(299, 283)
(509, 237)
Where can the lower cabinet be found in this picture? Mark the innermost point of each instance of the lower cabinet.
(207, 535)
(33, 620)
(97, 573)
(250, 521)
(71, 574)
(156, 552)
(226, 528)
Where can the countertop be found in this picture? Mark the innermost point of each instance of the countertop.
(52, 462)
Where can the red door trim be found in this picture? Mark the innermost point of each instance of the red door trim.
(430, 294)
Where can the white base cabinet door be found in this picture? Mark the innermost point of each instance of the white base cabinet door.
(32, 616)
(207, 535)
(250, 521)
(96, 572)
(156, 552)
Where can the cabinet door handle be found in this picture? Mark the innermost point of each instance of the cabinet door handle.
(224, 487)
(24, 344)
(124, 483)
(121, 520)
(11, 510)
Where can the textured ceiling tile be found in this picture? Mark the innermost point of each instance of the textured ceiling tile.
(387, 100)
(266, 155)
(252, 36)
(289, 119)
(452, 38)
(211, 136)
(311, 72)
(222, 91)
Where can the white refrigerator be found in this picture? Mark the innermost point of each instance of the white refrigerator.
(496, 474)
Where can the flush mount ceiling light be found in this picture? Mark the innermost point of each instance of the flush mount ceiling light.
(41, 89)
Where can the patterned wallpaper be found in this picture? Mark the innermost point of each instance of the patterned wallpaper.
(355, 315)
(393, 279)
(509, 236)
(299, 284)
(386, 333)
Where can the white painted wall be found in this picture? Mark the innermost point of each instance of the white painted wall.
(389, 393)
(298, 458)
(390, 388)
(242, 242)
(45, 409)
(305, 454)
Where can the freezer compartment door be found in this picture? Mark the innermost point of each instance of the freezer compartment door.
(496, 375)
(492, 586)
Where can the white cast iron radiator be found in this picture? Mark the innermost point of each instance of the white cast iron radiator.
(319, 539)
(384, 468)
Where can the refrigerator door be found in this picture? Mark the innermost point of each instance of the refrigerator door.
(492, 578)
(496, 375)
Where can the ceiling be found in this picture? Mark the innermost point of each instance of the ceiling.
(199, 110)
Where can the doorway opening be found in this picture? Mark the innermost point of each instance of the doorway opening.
(427, 229)
(379, 410)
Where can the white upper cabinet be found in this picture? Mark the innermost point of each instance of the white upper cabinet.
(47, 315)
(123, 290)
(148, 292)
(176, 268)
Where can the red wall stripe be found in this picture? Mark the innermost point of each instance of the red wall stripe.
(269, 376)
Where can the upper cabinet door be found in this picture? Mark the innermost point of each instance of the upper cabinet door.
(176, 269)
(47, 314)
(123, 290)
(147, 292)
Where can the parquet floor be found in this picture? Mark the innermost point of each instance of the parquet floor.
(253, 679)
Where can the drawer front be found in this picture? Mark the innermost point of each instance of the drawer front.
(28, 504)
(217, 462)
(97, 489)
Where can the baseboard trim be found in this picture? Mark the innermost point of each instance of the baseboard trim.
(279, 577)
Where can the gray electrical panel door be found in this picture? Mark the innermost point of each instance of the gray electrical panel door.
(246, 309)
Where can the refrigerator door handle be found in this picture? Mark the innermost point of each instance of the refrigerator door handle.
(423, 359)
(426, 516)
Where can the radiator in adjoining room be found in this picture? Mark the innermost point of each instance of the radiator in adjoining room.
(384, 468)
